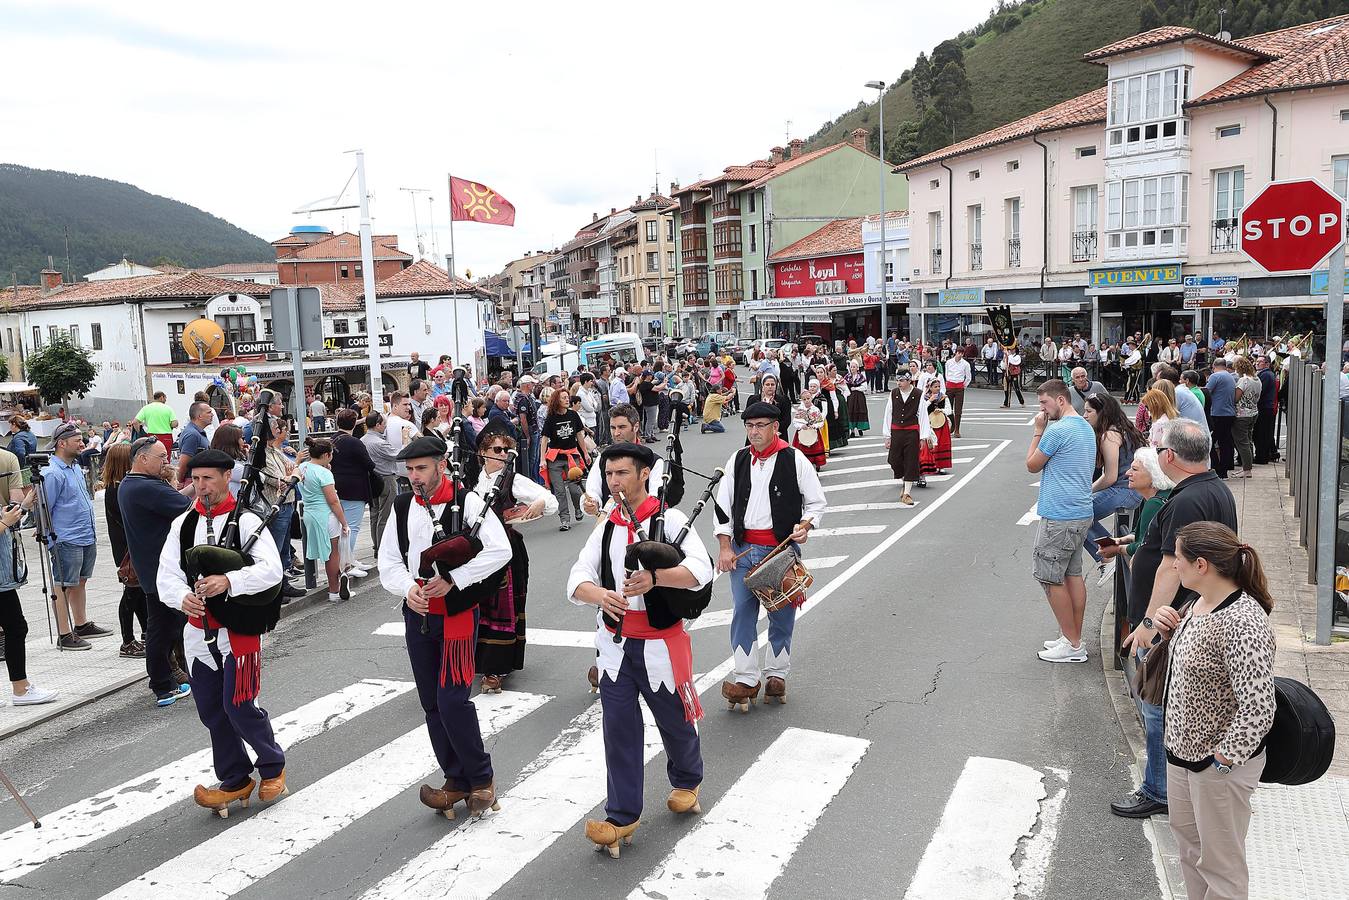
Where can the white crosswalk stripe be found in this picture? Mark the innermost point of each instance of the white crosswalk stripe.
(847, 530)
(268, 840)
(779, 799)
(66, 830)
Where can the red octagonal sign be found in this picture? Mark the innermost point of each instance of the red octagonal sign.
(1291, 226)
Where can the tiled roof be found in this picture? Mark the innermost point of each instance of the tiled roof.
(1311, 55)
(342, 297)
(842, 236)
(788, 164)
(348, 246)
(654, 201)
(240, 268)
(421, 279)
(1168, 34)
(1088, 109)
(189, 286)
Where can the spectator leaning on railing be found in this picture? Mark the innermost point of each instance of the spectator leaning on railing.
(132, 605)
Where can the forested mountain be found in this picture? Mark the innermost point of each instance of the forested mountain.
(1026, 56)
(105, 220)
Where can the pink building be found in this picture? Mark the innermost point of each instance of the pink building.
(1091, 215)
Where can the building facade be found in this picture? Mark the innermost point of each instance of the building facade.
(312, 254)
(1094, 215)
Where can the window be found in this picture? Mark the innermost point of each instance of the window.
(1227, 131)
(670, 260)
(652, 258)
(9, 339)
(651, 230)
(52, 332)
(974, 174)
(1340, 167)
(75, 335)
(975, 219)
(1086, 151)
(267, 327)
(1344, 115)
(1144, 100)
(95, 335)
(358, 270)
(341, 326)
(1014, 233)
(176, 352)
(754, 283)
(37, 336)
(933, 184)
(238, 328)
(1013, 165)
(934, 240)
(344, 272)
(652, 295)
(1229, 196)
(751, 201)
(1136, 206)
(669, 229)
(753, 243)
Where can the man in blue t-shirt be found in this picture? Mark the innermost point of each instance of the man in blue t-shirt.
(1063, 451)
(1222, 414)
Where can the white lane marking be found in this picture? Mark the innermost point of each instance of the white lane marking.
(1034, 866)
(847, 530)
(264, 842)
(711, 619)
(960, 444)
(568, 779)
(855, 485)
(863, 507)
(782, 795)
(855, 457)
(549, 637)
(99, 816)
(1030, 516)
(962, 459)
(993, 804)
(823, 562)
(1031, 420)
(390, 629)
(830, 472)
(1034, 484)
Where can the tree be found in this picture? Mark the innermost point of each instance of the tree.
(60, 369)
(933, 132)
(1150, 17)
(951, 96)
(922, 82)
(905, 145)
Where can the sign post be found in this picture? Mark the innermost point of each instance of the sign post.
(297, 326)
(1291, 226)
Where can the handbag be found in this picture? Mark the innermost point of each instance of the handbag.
(1149, 684)
(126, 573)
(18, 563)
(376, 486)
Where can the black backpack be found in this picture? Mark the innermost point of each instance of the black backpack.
(1301, 742)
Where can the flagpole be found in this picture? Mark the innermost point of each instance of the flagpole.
(372, 329)
(450, 185)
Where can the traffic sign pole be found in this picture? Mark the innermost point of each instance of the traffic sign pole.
(1327, 510)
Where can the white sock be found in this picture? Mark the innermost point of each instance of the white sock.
(334, 598)
(907, 486)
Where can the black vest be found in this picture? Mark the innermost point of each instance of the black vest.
(784, 494)
(459, 599)
(235, 616)
(904, 414)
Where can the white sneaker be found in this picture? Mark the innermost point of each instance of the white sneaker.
(34, 696)
(1107, 570)
(357, 572)
(1050, 645)
(1064, 653)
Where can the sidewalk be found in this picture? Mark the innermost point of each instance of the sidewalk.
(1299, 839)
(84, 676)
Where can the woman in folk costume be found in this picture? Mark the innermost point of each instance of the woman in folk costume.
(810, 434)
(501, 626)
(770, 392)
(836, 408)
(858, 417)
(935, 458)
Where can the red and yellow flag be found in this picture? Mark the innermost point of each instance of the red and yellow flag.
(473, 202)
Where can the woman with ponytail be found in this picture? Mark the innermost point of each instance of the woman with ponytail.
(1219, 703)
(324, 521)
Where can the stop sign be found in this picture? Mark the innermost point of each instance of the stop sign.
(1291, 226)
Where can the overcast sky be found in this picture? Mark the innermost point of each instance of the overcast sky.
(245, 108)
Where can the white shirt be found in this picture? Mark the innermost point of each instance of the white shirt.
(758, 512)
(318, 409)
(1169, 354)
(594, 480)
(396, 432)
(171, 582)
(590, 405)
(925, 431)
(526, 491)
(587, 565)
(394, 574)
(990, 351)
(958, 370)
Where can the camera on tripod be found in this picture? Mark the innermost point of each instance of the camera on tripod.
(37, 462)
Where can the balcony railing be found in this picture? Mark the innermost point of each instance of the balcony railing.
(976, 256)
(936, 261)
(1226, 235)
(1084, 245)
(1014, 253)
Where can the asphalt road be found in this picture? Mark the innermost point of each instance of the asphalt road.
(919, 722)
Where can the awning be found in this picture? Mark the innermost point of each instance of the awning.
(496, 345)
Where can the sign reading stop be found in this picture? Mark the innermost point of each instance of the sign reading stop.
(1291, 226)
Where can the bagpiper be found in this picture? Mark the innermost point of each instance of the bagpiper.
(636, 657)
(225, 662)
(440, 615)
(771, 493)
(906, 417)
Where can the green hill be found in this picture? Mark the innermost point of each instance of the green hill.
(1027, 56)
(106, 220)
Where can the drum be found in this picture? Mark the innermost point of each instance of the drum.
(808, 436)
(779, 580)
(936, 419)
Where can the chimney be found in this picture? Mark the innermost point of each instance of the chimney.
(51, 280)
(594, 217)
(775, 155)
(858, 138)
(613, 210)
(674, 188)
(795, 145)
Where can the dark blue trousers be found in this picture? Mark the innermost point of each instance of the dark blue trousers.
(451, 720)
(232, 726)
(623, 745)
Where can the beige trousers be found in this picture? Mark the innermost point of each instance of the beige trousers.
(1210, 813)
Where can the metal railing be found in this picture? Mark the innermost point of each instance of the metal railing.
(976, 255)
(1014, 253)
(1084, 245)
(1302, 455)
(1225, 236)
(936, 261)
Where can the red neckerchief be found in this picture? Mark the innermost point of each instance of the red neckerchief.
(645, 511)
(773, 448)
(218, 509)
(444, 493)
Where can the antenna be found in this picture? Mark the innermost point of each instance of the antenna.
(1223, 34)
(789, 133)
(412, 193)
(655, 158)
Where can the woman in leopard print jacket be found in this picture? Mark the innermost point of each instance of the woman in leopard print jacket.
(1219, 704)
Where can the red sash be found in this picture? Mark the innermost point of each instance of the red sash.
(245, 648)
(677, 644)
(764, 537)
(955, 385)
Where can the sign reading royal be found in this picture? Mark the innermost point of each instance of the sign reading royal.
(1135, 276)
(820, 277)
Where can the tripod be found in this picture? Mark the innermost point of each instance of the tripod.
(41, 534)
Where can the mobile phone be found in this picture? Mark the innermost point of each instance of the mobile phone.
(1105, 542)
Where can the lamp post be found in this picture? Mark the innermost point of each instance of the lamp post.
(880, 102)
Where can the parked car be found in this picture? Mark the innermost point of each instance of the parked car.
(685, 347)
(741, 347)
(722, 339)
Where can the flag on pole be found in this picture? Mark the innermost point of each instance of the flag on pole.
(473, 202)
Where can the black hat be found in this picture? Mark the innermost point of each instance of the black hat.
(643, 456)
(211, 459)
(760, 410)
(423, 447)
(497, 427)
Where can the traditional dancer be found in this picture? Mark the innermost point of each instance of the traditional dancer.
(440, 617)
(808, 422)
(501, 628)
(858, 417)
(908, 424)
(225, 664)
(934, 458)
(770, 493)
(637, 658)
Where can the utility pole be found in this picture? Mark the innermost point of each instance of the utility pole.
(372, 329)
(660, 252)
(880, 101)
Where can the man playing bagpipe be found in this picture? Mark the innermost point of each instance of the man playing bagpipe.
(643, 647)
(222, 637)
(427, 556)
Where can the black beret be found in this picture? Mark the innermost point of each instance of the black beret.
(760, 410)
(211, 459)
(642, 455)
(423, 447)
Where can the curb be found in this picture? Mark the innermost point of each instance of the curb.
(315, 597)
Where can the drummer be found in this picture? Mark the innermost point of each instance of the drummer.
(771, 493)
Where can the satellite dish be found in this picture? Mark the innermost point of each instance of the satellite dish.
(203, 339)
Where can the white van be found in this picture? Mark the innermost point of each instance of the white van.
(623, 347)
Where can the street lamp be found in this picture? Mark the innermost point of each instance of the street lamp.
(880, 102)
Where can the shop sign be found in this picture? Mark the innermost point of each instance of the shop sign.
(355, 341)
(232, 305)
(1134, 275)
(1211, 287)
(813, 302)
(972, 296)
(821, 277)
(250, 348)
(1210, 302)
